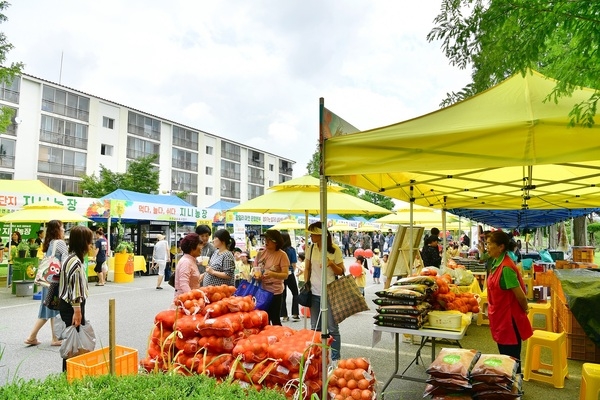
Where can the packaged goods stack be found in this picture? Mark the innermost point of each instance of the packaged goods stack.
(468, 374)
(450, 373)
(405, 305)
(494, 376)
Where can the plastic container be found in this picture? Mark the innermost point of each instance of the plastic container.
(445, 319)
(23, 288)
(97, 363)
(123, 268)
(583, 254)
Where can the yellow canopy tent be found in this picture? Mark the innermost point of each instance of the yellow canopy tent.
(506, 148)
(33, 186)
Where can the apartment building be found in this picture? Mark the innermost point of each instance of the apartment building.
(59, 134)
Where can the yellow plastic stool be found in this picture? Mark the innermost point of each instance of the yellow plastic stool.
(590, 382)
(557, 343)
(544, 309)
(482, 318)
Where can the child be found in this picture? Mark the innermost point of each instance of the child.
(384, 266)
(361, 281)
(376, 266)
(300, 270)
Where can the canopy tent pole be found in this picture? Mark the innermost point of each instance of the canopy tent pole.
(304, 251)
(323, 198)
(411, 233)
(445, 240)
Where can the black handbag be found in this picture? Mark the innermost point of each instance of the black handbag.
(305, 295)
(52, 301)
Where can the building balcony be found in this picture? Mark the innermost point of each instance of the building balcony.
(63, 140)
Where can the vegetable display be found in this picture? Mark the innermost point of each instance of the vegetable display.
(209, 331)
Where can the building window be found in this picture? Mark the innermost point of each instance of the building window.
(141, 125)
(256, 159)
(209, 171)
(10, 91)
(106, 150)
(230, 189)
(230, 170)
(285, 167)
(208, 191)
(255, 191)
(192, 199)
(231, 151)
(63, 132)
(54, 160)
(6, 175)
(271, 167)
(7, 153)
(185, 138)
(184, 182)
(11, 129)
(184, 160)
(65, 103)
(256, 175)
(138, 148)
(209, 150)
(271, 183)
(108, 123)
(61, 185)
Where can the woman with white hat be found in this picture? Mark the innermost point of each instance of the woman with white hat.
(161, 256)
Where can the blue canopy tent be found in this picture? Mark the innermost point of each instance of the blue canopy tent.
(133, 207)
(223, 205)
(520, 219)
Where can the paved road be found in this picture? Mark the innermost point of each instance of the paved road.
(138, 302)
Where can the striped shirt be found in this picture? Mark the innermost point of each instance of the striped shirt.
(73, 281)
(221, 262)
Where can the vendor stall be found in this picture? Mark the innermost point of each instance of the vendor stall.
(152, 214)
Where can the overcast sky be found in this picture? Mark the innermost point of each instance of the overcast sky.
(248, 70)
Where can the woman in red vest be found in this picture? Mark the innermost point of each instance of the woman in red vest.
(507, 303)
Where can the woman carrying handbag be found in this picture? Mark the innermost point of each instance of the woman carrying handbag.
(313, 273)
(73, 289)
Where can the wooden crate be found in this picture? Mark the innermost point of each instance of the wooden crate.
(582, 348)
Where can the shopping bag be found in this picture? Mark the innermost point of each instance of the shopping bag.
(345, 298)
(48, 269)
(262, 299)
(52, 301)
(305, 295)
(78, 340)
(245, 289)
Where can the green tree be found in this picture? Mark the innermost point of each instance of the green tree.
(141, 176)
(313, 165)
(499, 38)
(7, 74)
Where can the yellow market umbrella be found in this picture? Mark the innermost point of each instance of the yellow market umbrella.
(339, 228)
(307, 200)
(367, 228)
(287, 224)
(43, 211)
(306, 181)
